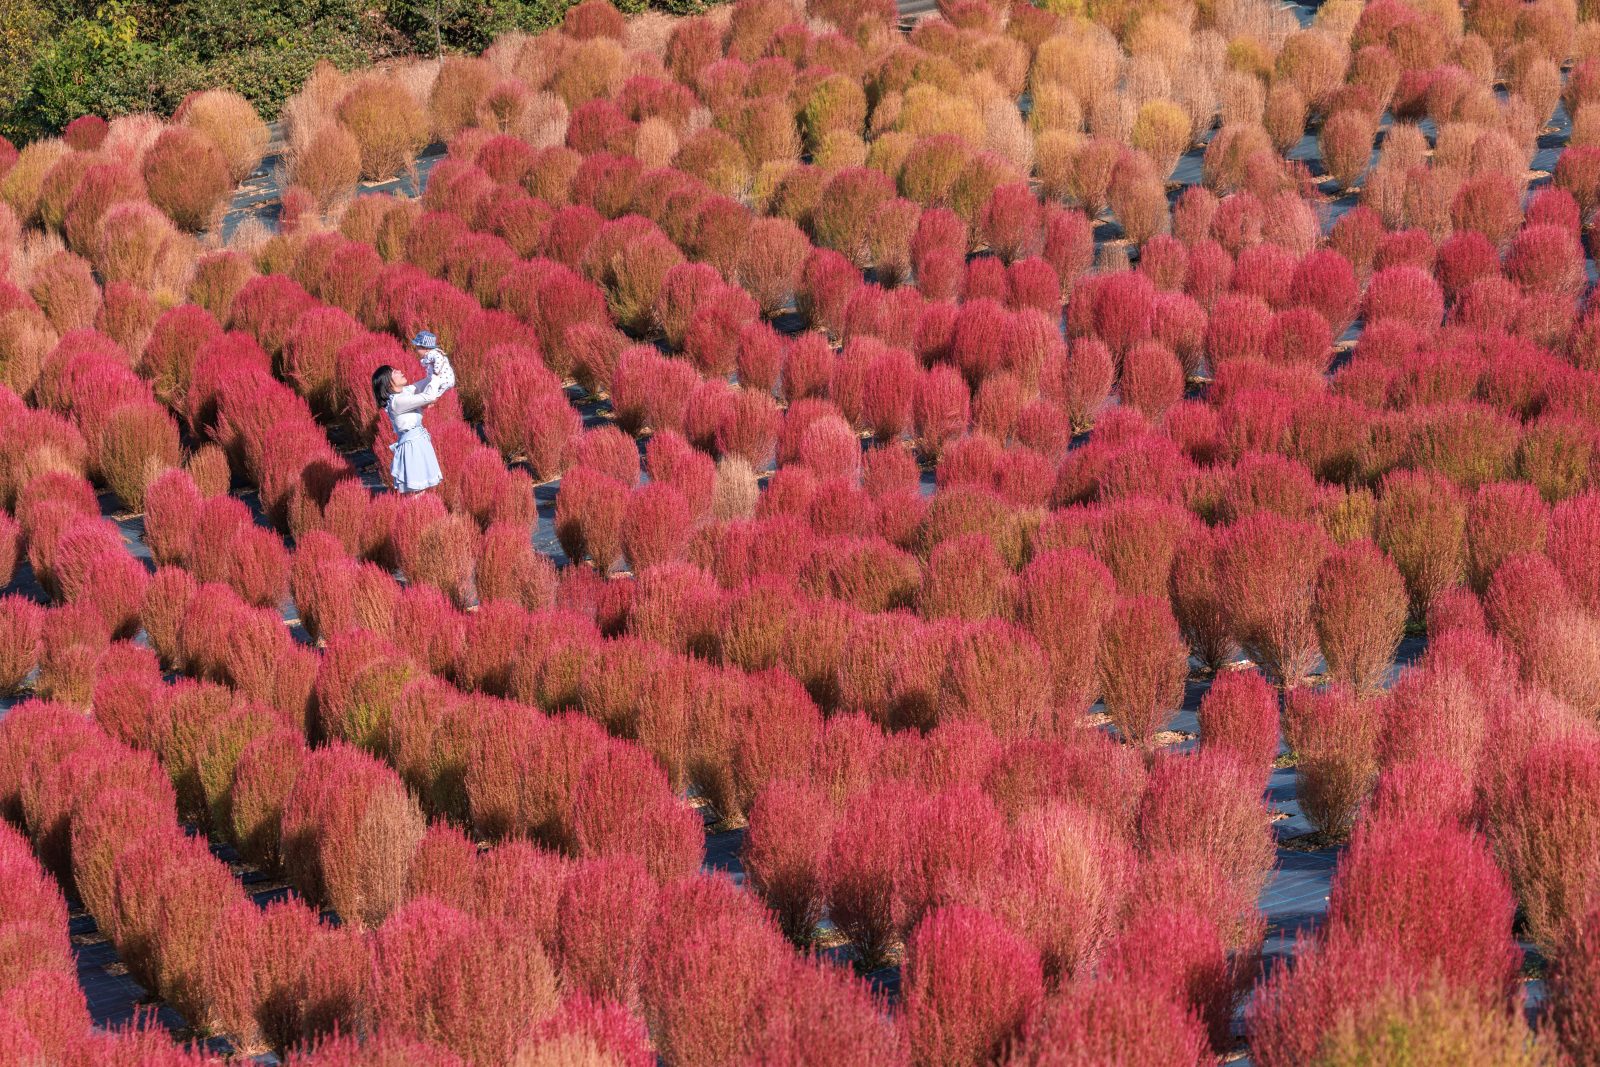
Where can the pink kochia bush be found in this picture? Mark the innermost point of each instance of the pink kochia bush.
(1210, 804)
(1092, 1023)
(1543, 829)
(1180, 953)
(1360, 612)
(971, 985)
(1143, 664)
(349, 829)
(1436, 894)
(1239, 714)
(790, 828)
(444, 976)
(1267, 572)
(1064, 599)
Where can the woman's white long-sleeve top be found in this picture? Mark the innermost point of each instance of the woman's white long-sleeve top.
(405, 405)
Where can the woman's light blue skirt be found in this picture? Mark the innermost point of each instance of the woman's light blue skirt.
(415, 467)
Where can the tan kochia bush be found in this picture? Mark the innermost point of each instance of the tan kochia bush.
(593, 69)
(1055, 108)
(1161, 130)
(232, 125)
(139, 245)
(655, 144)
(305, 112)
(328, 165)
(1006, 136)
(26, 337)
(1346, 142)
(1146, 80)
(1285, 116)
(928, 111)
(387, 123)
(1166, 38)
(21, 184)
(1087, 65)
(1243, 99)
(543, 122)
(457, 91)
(1112, 116)
(1054, 152)
(736, 489)
(1315, 63)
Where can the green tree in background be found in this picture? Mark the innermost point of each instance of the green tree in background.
(65, 58)
(96, 65)
(469, 25)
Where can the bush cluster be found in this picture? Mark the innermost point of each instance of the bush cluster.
(931, 562)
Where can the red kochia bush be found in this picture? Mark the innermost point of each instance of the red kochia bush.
(655, 527)
(780, 726)
(1209, 803)
(10, 547)
(94, 570)
(187, 177)
(622, 804)
(64, 287)
(941, 408)
(1574, 534)
(349, 829)
(139, 440)
(1152, 378)
(1267, 568)
(589, 514)
(605, 913)
(1574, 989)
(1406, 293)
(1546, 258)
(1421, 524)
(1423, 788)
(439, 975)
(1504, 519)
(509, 568)
(1360, 614)
(1178, 952)
(1544, 830)
(861, 883)
(1239, 715)
(1010, 221)
(20, 622)
(1435, 893)
(971, 985)
(1143, 663)
(170, 895)
(1109, 1021)
(1123, 311)
(707, 971)
(791, 824)
(1326, 282)
(996, 674)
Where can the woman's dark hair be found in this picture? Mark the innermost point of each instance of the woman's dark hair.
(383, 385)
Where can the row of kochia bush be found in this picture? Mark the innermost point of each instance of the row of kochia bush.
(944, 828)
(371, 832)
(1255, 715)
(1406, 363)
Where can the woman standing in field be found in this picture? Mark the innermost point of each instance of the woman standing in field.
(415, 468)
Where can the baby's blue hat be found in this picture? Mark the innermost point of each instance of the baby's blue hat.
(425, 339)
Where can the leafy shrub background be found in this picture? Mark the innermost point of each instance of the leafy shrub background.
(67, 58)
